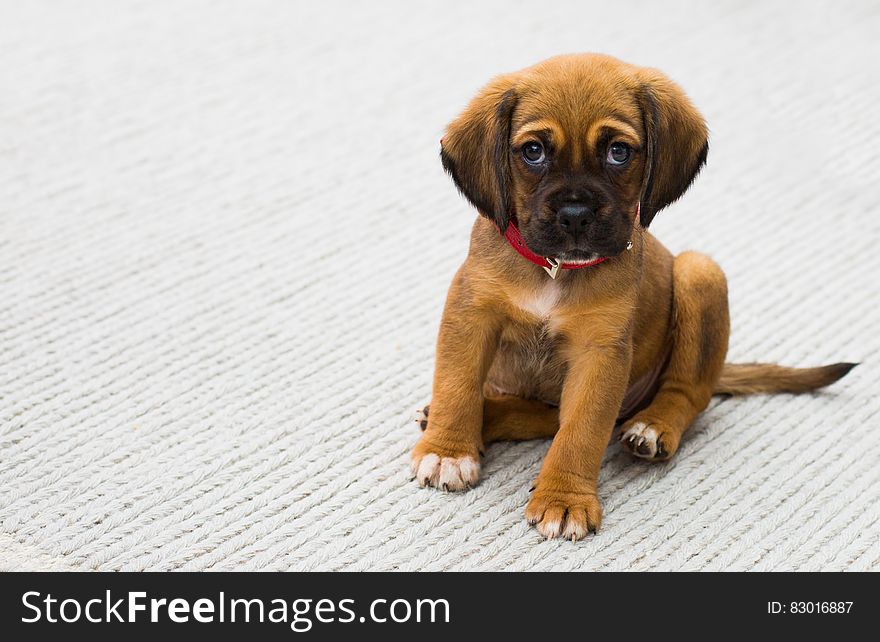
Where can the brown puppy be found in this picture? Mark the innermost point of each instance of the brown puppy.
(577, 154)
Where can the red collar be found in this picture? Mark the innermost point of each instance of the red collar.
(551, 265)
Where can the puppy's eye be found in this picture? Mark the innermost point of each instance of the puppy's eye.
(533, 153)
(618, 154)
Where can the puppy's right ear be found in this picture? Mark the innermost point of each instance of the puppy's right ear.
(475, 150)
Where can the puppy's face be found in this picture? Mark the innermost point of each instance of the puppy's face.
(570, 147)
(576, 151)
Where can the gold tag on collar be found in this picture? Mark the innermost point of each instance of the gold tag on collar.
(554, 268)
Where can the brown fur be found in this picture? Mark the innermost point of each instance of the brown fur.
(758, 378)
(641, 338)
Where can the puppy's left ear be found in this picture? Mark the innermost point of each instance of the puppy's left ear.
(475, 150)
(677, 142)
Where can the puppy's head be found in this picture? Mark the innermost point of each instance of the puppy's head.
(570, 147)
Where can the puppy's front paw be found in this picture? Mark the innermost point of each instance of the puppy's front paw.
(649, 440)
(443, 468)
(569, 515)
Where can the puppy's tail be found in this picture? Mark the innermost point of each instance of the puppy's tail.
(763, 378)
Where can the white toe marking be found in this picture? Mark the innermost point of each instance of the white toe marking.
(450, 477)
(550, 529)
(470, 469)
(573, 530)
(429, 467)
(642, 431)
(447, 473)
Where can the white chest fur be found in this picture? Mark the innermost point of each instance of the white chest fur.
(540, 302)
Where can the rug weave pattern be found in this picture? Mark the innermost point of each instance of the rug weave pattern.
(225, 241)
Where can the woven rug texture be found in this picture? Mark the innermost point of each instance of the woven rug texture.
(225, 243)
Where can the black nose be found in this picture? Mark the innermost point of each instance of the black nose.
(574, 218)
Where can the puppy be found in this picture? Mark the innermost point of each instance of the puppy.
(568, 317)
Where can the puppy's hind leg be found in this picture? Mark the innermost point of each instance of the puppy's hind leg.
(509, 418)
(700, 332)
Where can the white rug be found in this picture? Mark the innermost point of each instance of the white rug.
(225, 241)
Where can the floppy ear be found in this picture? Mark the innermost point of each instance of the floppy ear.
(677, 142)
(475, 150)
